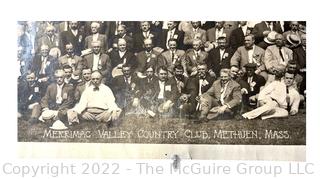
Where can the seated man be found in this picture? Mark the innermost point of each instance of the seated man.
(57, 100)
(29, 97)
(223, 98)
(85, 82)
(97, 103)
(255, 82)
(164, 94)
(124, 87)
(273, 99)
(196, 86)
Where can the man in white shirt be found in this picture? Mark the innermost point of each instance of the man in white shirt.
(97, 103)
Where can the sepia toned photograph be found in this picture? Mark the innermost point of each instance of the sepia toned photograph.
(162, 82)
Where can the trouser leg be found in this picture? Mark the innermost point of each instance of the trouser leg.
(267, 108)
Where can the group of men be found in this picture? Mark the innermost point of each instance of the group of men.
(101, 71)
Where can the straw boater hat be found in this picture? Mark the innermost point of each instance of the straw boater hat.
(48, 114)
(293, 39)
(271, 38)
(58, 125)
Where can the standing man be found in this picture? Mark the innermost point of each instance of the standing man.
(172, 33)
(145, 33)
(96, 36)
(194, 57)
(195, 33)
(73, 36)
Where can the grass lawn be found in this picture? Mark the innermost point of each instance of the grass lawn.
(140, 129)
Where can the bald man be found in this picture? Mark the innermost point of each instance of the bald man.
(97, 103)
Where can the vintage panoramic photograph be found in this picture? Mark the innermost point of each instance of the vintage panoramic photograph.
(162, 82)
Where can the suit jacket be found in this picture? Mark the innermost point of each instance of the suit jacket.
(190, 35)
(299, 55)
(127, 37)
(272, 56)
(192, 59)
(104, 62)
(120, 86)
(77, 41)
(236, 38)
(101, 37)
(211, 35)
(144, 59)
(78, 91)
(51, 66)
(240, 57)
(138, 39)
(232, 96)
(259, 28)
(165, 58)
(116, 60)
(77, 63)
(49, 99)
(45, 40)
(177, 35)
(254, 88)
(170, 91)
(192, 86)
(214, 61)
(28, 95)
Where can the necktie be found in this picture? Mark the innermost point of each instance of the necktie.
(288, 101)
(281, 55)
(96, 89)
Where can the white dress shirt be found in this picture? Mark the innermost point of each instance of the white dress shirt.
(250, 55)
(102, 98)
(59, 94)
(96, 59)
(162, 86)
(222, 53)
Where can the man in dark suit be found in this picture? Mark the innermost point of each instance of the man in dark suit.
(29, 97)
(263, 28)
(146, 58)
(171, 33)
(196, 86)
(165, 94)
(125, 87)
(98, 61)
(58, 98)
(299, 56)
(50, 38)
(219, 57)
(85, 82)
(122, 56)
(194, 56)
(255, 82)
(43, 66)
(222, 99)
(73, 36)
(238, 34)
(145, 33)
(121, 34)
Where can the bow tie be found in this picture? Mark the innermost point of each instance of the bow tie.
(249, 48)
(96, 89)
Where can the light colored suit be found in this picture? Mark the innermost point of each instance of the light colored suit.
(166, 58)
(272, 57)
(76, 62)
(240, 58)
(192, 59)
(212, 98)
(191, 35)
